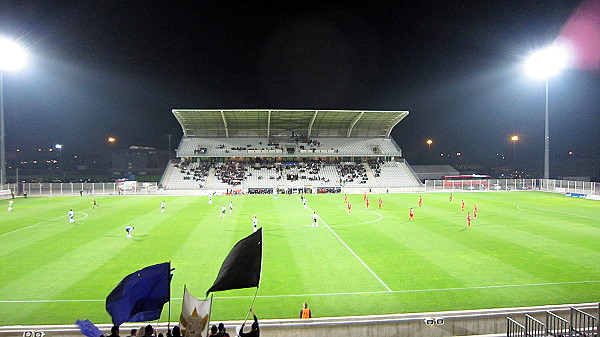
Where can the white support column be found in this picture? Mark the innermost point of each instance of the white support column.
(310, 124)
(354, 121)
(269, 125)
(225, 123)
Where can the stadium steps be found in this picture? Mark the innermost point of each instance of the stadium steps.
(210, 179)
(372, 180)
(166, 177)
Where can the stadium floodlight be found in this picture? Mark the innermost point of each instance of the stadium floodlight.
(547, 62)
(12, 57)
(544, 64)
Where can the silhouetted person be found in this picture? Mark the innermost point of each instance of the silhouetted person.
(222, 331)
(114, 331)
(254, 332)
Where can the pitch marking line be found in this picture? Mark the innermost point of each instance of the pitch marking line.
(343, 294)
(519, 207)
(351, 251)
(43, 223)
(347, 225)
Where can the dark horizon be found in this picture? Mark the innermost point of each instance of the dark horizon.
(100, 69)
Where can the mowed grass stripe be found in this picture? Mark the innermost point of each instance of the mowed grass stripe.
(309, 262)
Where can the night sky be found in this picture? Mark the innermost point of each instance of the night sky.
(117, 68)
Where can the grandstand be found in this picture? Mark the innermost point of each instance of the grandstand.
(257, 151)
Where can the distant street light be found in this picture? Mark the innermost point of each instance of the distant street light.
(111, 140)
(545, 64)
(429, 142)
(12, 57)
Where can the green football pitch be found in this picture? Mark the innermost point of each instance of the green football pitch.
(524, 248)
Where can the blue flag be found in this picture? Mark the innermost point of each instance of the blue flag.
(140, 296)
(88, 328)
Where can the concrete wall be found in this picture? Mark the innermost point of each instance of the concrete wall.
(456, 323)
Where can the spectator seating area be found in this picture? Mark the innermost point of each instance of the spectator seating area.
(315, 173)
(261, 147)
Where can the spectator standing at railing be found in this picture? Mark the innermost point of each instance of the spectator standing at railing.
(114, 331)
(222, 331)
(305, 312)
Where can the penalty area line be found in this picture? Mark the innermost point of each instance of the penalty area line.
(344, 294)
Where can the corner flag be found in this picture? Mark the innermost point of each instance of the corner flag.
(242, 266)
(140, 296)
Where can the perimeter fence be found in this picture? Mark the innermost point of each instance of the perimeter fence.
(82, 189)
(550, 185)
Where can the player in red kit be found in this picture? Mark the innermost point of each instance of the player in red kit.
(365, 196)
(462, 206)
(345, 199)
(475, 211)
(349, 208)
(367, 203)
(380, 203)
(411, 214)
(468, 219)
(420, 201)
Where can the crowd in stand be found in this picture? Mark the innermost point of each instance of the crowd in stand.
(232, 173)
(352, 172)
(271, 145)
(375, 166)
(200, 150)
(199, 173)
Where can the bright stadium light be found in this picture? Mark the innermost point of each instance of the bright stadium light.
(544, 64)
(547, 62)
(12, 57)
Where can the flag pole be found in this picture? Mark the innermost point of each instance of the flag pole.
(259, 277)
(169, 321)
(251, 306)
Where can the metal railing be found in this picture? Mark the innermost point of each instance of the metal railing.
(534, 327)
(70, 189)
(550, 185)
(514, 328)
(583, 324)
(556, 325)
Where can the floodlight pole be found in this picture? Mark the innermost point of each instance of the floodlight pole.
(2, 150)
(547, 140)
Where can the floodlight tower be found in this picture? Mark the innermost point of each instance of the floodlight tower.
(544, 64)
(12, 57)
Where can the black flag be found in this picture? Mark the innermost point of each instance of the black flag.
(242, 267)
